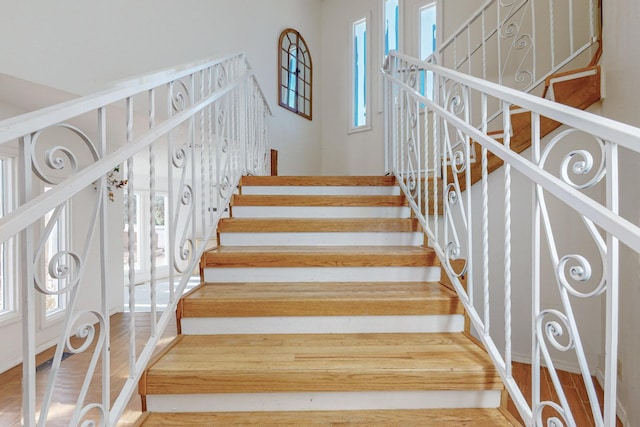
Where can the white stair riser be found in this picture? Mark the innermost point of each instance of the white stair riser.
(322, 274)
(322, 324)
(322, 239)
(322, 190)
(320, 212)
(321, 401)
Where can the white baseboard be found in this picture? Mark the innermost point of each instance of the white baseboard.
(620, 411)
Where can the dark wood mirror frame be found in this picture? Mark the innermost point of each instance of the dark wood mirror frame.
(295, 71)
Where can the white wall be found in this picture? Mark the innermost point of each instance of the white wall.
(81, 46)
(621, 63)
(48, 330)
(360, 153)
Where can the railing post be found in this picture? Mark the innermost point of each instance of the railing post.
(612, 294)
(28, 305)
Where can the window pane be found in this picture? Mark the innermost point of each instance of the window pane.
(159, 215)
(427, 46)
(136, 246)
(7, 249)
(391, 11)
(360, 73)
(56, 244)
(293, 78)
(3, 252)
(427, 31)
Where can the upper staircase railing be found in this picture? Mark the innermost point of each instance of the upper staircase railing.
(519, 43)
(511, 236)
(191, 132)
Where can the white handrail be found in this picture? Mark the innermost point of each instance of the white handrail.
(208, 121)
(448, 118)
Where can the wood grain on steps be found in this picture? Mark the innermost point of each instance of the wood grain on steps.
(319, 256)
(320, 362)
(319, 299)
(285, 200)
(328, 181)
(413, 418)
(333, 225)
(578, 93)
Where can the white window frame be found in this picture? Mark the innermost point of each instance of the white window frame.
(63, 237)
(351, 64)
(10, 271)
(142, 272)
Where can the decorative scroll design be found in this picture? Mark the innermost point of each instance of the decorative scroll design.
(180, 95)
(517, 63)
(581, 170)
(59, 162)
(456, 150)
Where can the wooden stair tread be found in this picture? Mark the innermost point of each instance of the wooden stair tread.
(316, 181)
(320, 362)
(296, 225)
(317, 200)
(319, 299)
(415, 418)
(320, 256)
(578, 93)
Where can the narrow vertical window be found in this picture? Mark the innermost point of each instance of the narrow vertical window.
(427, 21)
(360, 118)
(7, 249)
(294, 74)
(55, 255)
(391, 25)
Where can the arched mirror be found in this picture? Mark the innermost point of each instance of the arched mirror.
(294, 73)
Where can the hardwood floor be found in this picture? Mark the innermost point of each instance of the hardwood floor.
(72, 372)
(73, 368)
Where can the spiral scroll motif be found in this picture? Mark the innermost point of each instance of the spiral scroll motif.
(59, 162)
(551, 330)
(579, 270)
(551, 421)
(180, 96)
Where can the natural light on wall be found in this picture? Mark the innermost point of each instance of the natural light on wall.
(427, 45)
(391, 25)
(7, 265)
(359, 103)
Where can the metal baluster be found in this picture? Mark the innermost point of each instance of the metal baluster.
(485, 222)
(506, 113)
(131, 239)
(552, 34)
(152, 225)
(28, 306)
(536, 271)
(104, 271)
(612, 292)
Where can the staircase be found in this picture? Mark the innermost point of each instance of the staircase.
(578, 88)
(321, 306)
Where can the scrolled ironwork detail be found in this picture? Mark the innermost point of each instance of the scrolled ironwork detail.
(579, 272)
(60, 271)
(186, 197)
(180, 97)
(95, 422)
(550, 330)
(58, 158)
(581, 162)
(179, 157)
(551, 421)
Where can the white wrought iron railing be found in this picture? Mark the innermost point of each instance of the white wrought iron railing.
(572, 173)
(191, 132)
(519, 43)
